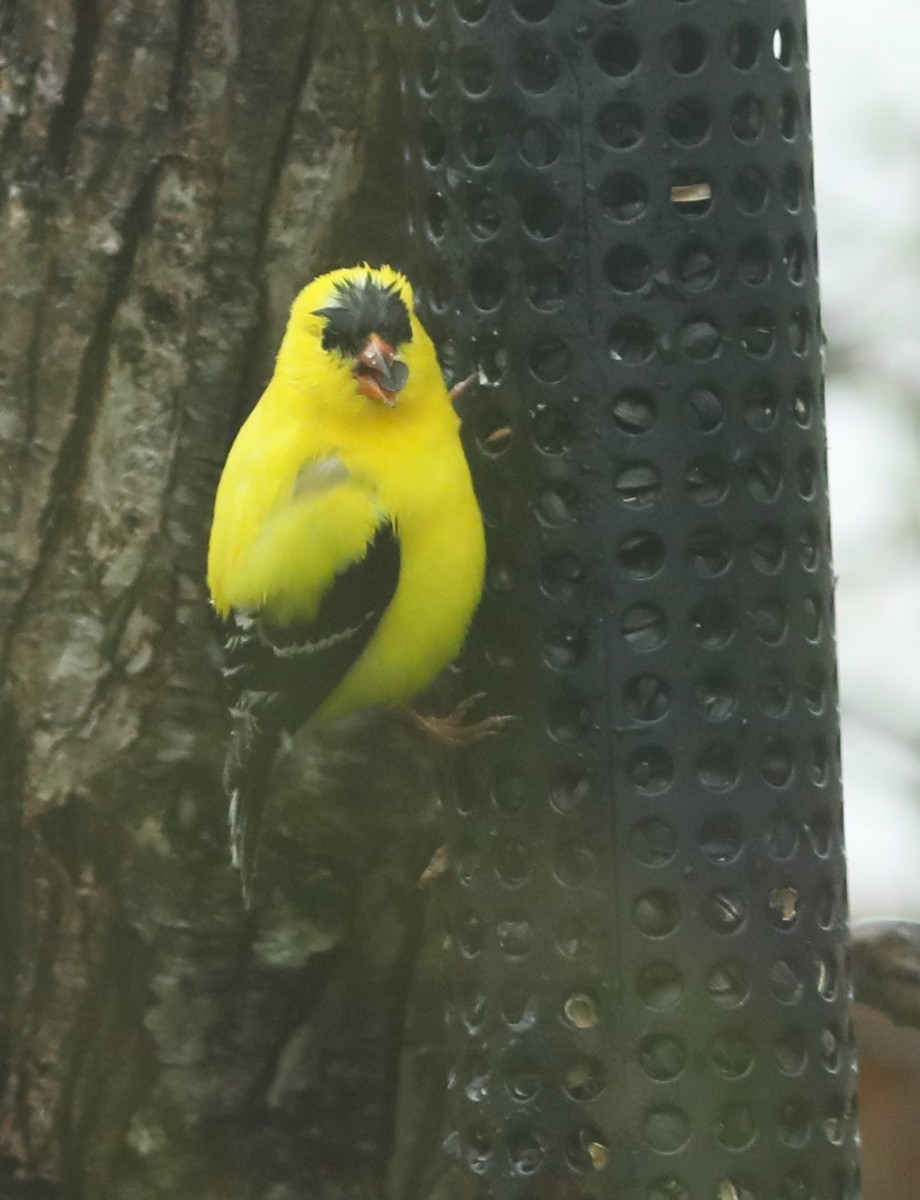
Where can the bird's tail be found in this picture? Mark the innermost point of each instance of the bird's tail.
(254, 739)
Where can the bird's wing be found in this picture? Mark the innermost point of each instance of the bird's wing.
(303, 661)
(334, 552)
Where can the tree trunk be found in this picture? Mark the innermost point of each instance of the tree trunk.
(171, 171)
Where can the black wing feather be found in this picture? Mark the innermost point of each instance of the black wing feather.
(281, 676)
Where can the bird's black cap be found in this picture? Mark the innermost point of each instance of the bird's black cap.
(360, 307)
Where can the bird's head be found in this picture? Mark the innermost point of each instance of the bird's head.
(362, 319)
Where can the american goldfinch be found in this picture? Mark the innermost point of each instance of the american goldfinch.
(347, 547)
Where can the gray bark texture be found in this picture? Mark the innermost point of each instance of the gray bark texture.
(885, 965)
(171, 172)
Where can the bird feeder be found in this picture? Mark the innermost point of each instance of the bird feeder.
(613, 212)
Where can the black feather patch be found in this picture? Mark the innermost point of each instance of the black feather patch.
(282, 676)
(304, 663)
(254, 740)
(360, 307)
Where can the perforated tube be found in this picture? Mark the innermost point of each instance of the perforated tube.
(614, 216)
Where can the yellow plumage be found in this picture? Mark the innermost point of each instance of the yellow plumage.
(319, 466)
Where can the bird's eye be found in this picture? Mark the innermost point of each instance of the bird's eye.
(338, 333)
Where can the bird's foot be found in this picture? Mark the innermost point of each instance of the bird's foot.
(456, 392)
(440, 861)
(454, 731)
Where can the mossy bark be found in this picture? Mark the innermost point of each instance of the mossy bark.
(171, 171)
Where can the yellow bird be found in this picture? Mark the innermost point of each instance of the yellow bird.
(347, 546)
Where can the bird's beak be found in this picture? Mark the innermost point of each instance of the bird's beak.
(380, 374)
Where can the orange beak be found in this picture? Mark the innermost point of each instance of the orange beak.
(379, 373)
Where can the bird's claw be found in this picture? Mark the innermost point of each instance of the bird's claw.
(453, 730)
(439, 863)
(456, 392)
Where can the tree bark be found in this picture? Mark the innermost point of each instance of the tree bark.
(171, 171)
(885, 964)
